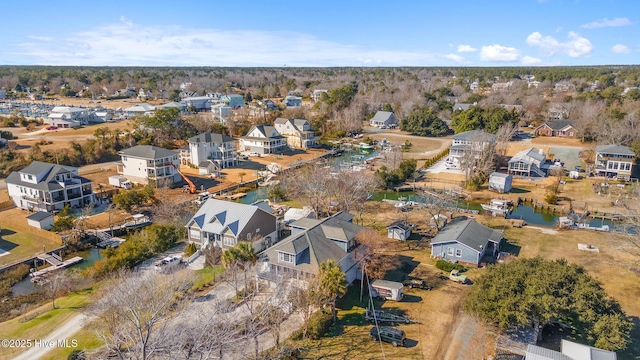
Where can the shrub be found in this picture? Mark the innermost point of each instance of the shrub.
(446, 266)
(319, 324)
(190, 249)
(551, 198)
(76, 355)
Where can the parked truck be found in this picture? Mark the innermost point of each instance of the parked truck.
(457, 277)
(120, 181)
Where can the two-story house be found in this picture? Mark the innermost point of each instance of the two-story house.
(557, 128)
(530, 162)
(49, 187)
(614, 161)
(474, 140)
(557, 112)
(316, 95)
(223, 224)
(235, 101)
(142, 163)
(263, 139)
(68, 117)
(217, 149)
(312, 242)
(298, 132)
(292, 101)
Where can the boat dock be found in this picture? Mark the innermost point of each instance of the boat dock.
(232, 196)
(60, 265)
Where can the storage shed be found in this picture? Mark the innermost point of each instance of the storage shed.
(399, 230)
(41, 220)
(500, 182)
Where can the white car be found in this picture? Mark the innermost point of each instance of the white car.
(254, 154)
(450, 165)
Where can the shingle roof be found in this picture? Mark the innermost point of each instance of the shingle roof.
(468, 232)
(214, 216)
(314, 246)
(558, 124)
(211, 137)
(614, 149)
(48, 183)
(148, 152)
(400, 224)
(265, 130)
(527, 155)
(471, 135)
(461, 106)
(382, 116)
(39, 216)
(500, 175)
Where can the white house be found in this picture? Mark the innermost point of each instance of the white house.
(139, 109)
(223, 224)
(142, 163)
(221, 112)
(383, 118)
(500, 182)
(221, 150)
(68, 117)
(49, 187)
(263, 139)
(529, 162)
(316, 95)
(474, 140)
(299, 133)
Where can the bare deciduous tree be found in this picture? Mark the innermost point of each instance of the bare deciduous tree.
(55, 282)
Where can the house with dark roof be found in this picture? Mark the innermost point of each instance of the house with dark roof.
(49, 187)
(384, 118)
(292, 101)
(466, 242)
(223, 224)
(557, 128)
(473, 140)
(312, 242)
(614, 161)
(142, 163)
(399, 230)
(210, 150)
(298, 132)
(529, 162)
(263, 139)
(569, 350)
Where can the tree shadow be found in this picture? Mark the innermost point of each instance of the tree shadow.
(519, 191)
(511, 248)
(411, 298)
(410, 343)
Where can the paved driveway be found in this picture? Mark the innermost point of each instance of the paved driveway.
(568, 155)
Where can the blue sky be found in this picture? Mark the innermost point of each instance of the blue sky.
(321, 33)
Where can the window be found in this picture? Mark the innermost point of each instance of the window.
(229, 241)
(458, 252)
(450, 251)
(286, 257)
(29, 177)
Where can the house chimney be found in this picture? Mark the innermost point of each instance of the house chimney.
(540, 151)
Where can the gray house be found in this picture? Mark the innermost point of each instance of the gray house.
(312, 242)
(383, 118)
(529, 162)
(466, 242)
(399, 230)
(223, 224)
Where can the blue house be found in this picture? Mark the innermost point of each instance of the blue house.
(466, 242)
(235, 101)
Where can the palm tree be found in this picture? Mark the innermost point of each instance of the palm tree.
(230, 258)
(332, 282)
(247, 257)
(242, 174)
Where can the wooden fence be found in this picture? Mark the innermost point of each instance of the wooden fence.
(5, 205)
(22, 226)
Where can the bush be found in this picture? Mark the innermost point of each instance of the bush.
(446, 266)
(551, 198)
(319, 324)
(76, 355)
(190, 249)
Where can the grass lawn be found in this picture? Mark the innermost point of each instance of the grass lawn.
(86, 340)
(206, 276)
(22, 245)
(46, 321)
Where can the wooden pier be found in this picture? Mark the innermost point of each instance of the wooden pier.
(64, 264)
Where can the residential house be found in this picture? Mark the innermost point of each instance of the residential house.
(501, 86)
(474, 86)
(312, 242)
(614, 161)
(142, 163)
(563, 86)
(475, 140)
(184, 86)
(145, 94)
(534, 84)
(292, 101)
(187, 94)
(466, 242)
(198, 103)
(49, 187)
(139, 109)
(221, 112)
(103, 116)
(220, 150)
(399, 230)
(68, 117)
(263, 139)
(557, 112)
(182, 107)
(316, 95)
(271, 105)
(557, 128)
(384, 118)
(298, 132)
(462, 106)
(233, 100)
(224, 224)
(124, 93)
(530, 162)
(3, 94)
(569, 350)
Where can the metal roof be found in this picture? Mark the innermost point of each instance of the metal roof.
(529, 156)
(214, 216)
(535, 352)
(148, 152)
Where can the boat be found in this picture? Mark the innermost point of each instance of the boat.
(365, 146)
(401, 205)
(586, 226)
(497, 206)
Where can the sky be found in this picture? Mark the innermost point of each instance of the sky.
(320, 33)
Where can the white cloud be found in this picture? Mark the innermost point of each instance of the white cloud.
(466, 48)
(529, 60)
(455, 57)
(575, 46)
(499, 53)
(125, 43)
(607, 23)
(620, 49)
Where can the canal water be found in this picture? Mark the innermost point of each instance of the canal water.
(25, 286)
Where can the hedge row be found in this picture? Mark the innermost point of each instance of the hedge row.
(446, 266)
(433, 160)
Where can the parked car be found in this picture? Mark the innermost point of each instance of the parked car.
(455, 275)
(254, 154)
(52, 127)
(388, 334)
